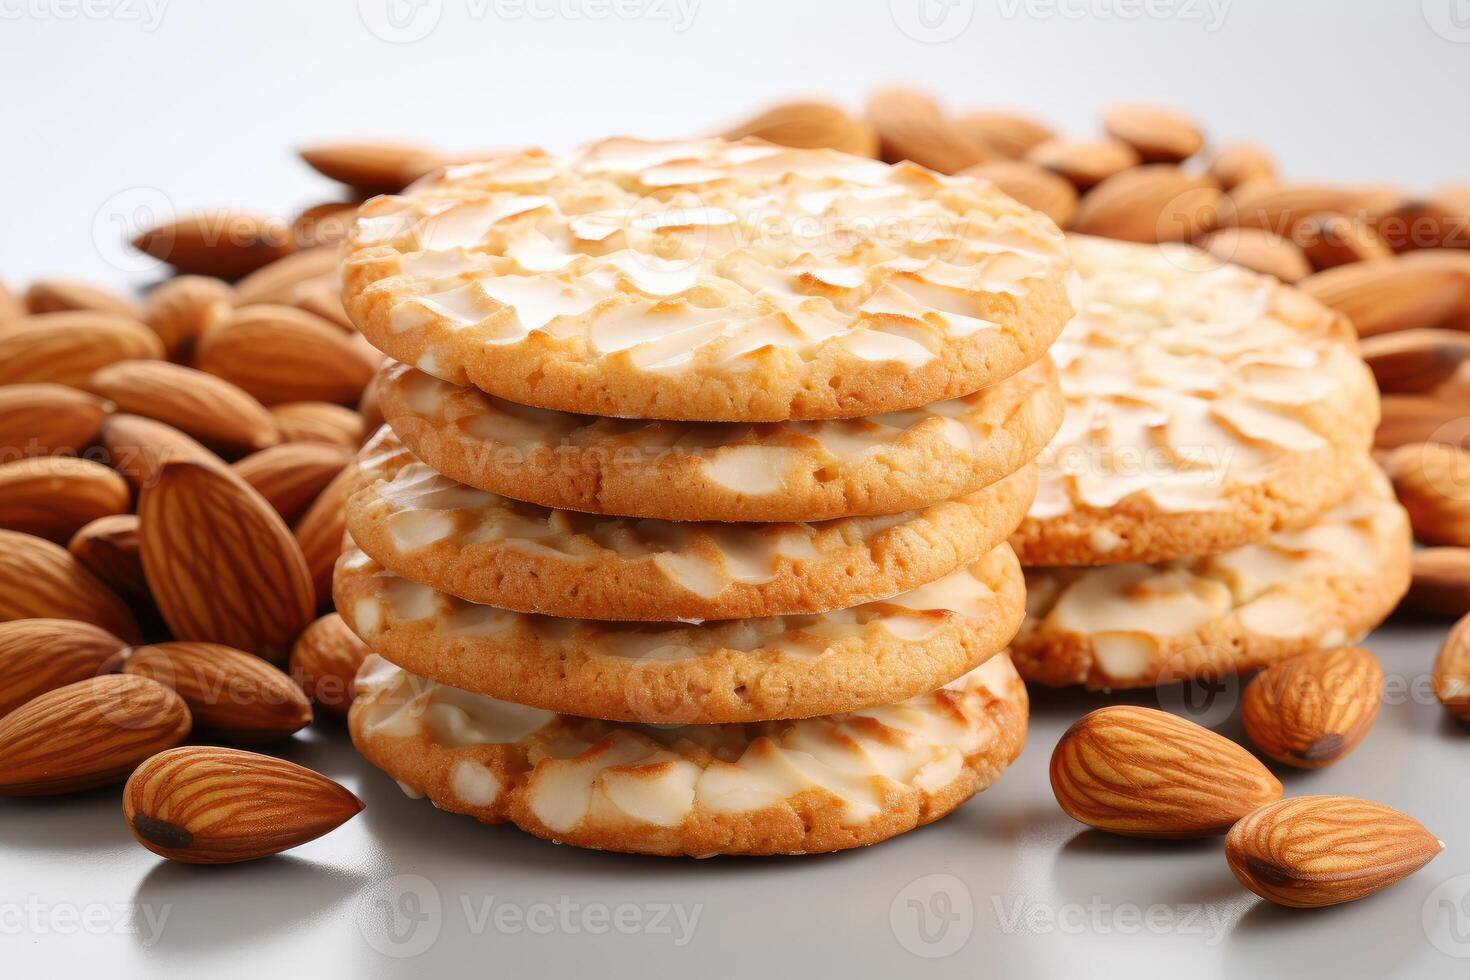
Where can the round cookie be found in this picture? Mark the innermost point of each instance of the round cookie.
(1135, 625)
(1206, 407)
(707, 280)
(793, 787)
(490, 549)
(681, 471)
(662, 673)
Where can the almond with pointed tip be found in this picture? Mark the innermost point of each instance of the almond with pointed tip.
(207, 408)
(1451, 670)
(1406, 419)
(41, 580)
(45, 419)
(1035, 187)
(234, 696)
(137, 447)
(40, 655)
(319, 422)
(53, 496)
(1160, 135)
(223, 242)
(1313, 709)
(1312, 851)
(1153, 203)
(66, 348)
(1390, 294)
(181, 309)
(1240, 162)
(207, 805)
(911, 126)
(1260, 251)
(1085, 162)
(1432, 481)
(277, 283)
(811, 125)
(1141, 772)
(221, 564)
(1415, 361)
(325, 661)
(282, 354)
(87, 734)
(1007, 132)
(372, 167)
(290, 476)
(62, 295)
(108, 547)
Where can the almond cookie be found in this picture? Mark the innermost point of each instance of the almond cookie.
(490, 549)
(707, 280)
(671, 673)
(785, 787)
(1138, 625)
(1206, 407)
(683, 471)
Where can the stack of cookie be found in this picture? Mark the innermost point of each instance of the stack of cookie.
(1209, 505)
(688, 531)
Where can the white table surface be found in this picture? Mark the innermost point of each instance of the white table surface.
(115, 110)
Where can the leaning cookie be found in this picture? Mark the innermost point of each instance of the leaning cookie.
(1134, 625)
(1206, 407)
(683, 471)
(493, 550)
(671, 673)
(707, 280)
(792, 787)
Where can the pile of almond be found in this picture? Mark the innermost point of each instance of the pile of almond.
(172, 473)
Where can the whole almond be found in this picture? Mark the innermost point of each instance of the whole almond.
(320, 531)
(63, 295)
(1259, 251)
(290, 476)
(1313, 851)
(1085, 162)
(809, 125)
(1451, 668)
(206, 805)
(1159, 135)
(376, 167)
(40, 655)
(1389, 294)
(911, 126)
(108, 548)
(1033, 186)
(325, 661)
(1432, 481)
(1280, 207)
(41, 580)
(183, 308)
(234, 696)
(1153, 203)
(1331, 239)
(321, 422)
(1241, 162)
(87, 734)
(324, 224)
(323, 297)
(278, 282)
(52, 496)
(220, 562)
(205, 407)
(1415, 361)
(1439, 221)
(1409, 419)
(137, 447)
(1011, 134)
(282, 354)
(1441, 581)
(222, 242)
(1311, 710)
(65, 348)
(43, 419)
(1146, 773)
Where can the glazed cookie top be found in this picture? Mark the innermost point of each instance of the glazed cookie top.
(707, 280)
(1192, 389)
(776, 471)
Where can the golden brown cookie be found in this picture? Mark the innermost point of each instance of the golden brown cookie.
(1137, 625)
(786, 787)
(662, 673)
(707, 280)
(1206, 407)
(682, 471)
(490, 549)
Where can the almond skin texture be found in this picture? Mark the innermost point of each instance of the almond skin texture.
(279, 281)
(1432, 481)
(87, 734)
(282, 354)
(1311, 710)
(66, 348)
(1009, 133)
(1409, 419)
(325, 660)
(43, 419)
(40, 655)
(324, 224)
(1159, 135)
(1260, 251)
(1312, 851)
(320, 531)
(1035, 187)
(320, 422)
(1086, 163)
(207, 408)
(1451, 670)
(1282, 207)
(183, 308)
(220, 242)
(810, 125)
(292, 475)
(208, 805)
(378, 167)
(41, 580)
(62, 295)
(1415, 361)
(1154, 203)
(1140, 772)
(1441, 581)
(910, 126)
(109, 549)
(137, 447)
(1330, 240)
(221, 564)
(1389, 294)
(1240, 162)
(234, 696)
(53, 496)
